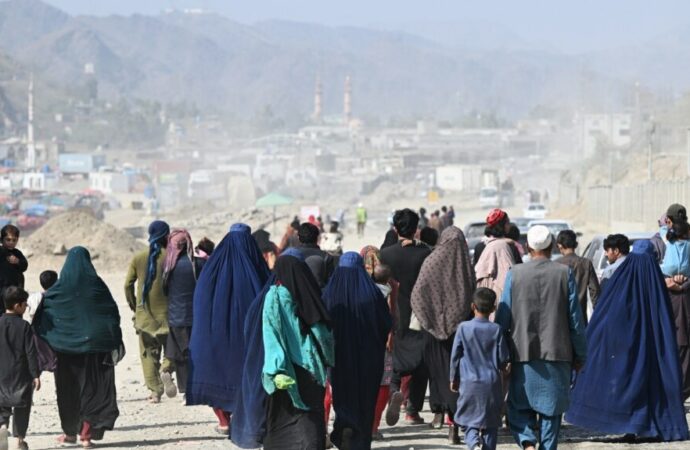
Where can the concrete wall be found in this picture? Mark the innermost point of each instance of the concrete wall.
(637, 206)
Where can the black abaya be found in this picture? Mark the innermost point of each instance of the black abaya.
(85, 386)
(289, 428)
(437, 359)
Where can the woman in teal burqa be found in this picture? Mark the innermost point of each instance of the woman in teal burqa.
(79, 319)
(298, 346)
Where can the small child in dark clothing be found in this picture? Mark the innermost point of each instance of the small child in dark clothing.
(13, 264)
(480, 353)
(19, 374)
(382, 277)
(47, 278)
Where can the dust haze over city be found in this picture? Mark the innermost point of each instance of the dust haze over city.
(207, 113)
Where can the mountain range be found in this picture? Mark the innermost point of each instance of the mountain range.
(230, 67)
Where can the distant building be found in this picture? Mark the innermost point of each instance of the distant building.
(39, 181)
(110, 182)
(614, 129)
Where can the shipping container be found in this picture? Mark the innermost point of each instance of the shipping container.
(83, 163)
(459, 177)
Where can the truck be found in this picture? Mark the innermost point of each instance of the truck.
(459, 177)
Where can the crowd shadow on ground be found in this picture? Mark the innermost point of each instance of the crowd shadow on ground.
(400, 437)
(147, 442)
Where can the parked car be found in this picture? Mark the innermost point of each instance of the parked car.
(474, 232)
(555, 227)
(522, 223)
(535, 211)
(595, 250)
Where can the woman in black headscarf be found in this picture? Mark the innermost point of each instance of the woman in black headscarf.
(298, 346)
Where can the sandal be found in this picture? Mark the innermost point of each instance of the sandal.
(87, 444)
(168, 384)
(225, 431)
(63, 439)
(153, 399)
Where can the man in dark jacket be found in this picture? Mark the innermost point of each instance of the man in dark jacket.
(585, 275)
(321, 263)
(405, 261)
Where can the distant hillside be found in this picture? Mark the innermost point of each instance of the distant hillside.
(218, 63)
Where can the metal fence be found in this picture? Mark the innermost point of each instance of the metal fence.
(642, 203)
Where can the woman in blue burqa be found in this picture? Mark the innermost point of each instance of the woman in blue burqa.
(79, 319)
(231, 279)
(631, 383)
(361, 323)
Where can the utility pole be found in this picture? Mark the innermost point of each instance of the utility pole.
(30, 144)
(650, 140)
(649, 161)
(687, 143)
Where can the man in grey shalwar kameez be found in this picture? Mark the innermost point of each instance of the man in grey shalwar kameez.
(539, 311)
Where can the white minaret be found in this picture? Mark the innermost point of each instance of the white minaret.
(347, 100)
(318, 100)
(30, 144)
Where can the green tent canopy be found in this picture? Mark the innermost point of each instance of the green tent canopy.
(272, 200)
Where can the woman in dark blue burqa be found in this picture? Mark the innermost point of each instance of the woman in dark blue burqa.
(361, 321)
(631, 383)
(233, 276)
(249, 420)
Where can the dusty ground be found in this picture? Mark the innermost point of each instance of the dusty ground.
(170, 425)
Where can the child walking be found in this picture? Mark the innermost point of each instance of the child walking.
(382, 278)
(47, 279)
(479, 354)
(19, 374)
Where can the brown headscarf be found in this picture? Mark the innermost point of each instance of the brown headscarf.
(371, 256)
(442, 295)
(176, 243)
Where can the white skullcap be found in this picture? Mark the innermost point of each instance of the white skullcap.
(539, 237)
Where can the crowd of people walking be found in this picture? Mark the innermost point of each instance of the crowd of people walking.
(275, 337)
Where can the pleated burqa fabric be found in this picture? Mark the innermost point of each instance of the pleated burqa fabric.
(232, 277)
(631, 382)
(361, 322)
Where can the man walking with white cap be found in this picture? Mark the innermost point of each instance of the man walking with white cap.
(540, 314)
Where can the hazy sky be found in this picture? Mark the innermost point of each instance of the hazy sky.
(571, 25)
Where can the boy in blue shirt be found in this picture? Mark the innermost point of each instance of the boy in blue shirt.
(480, 353)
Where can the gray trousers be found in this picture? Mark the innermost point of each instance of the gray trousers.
(21, 419)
